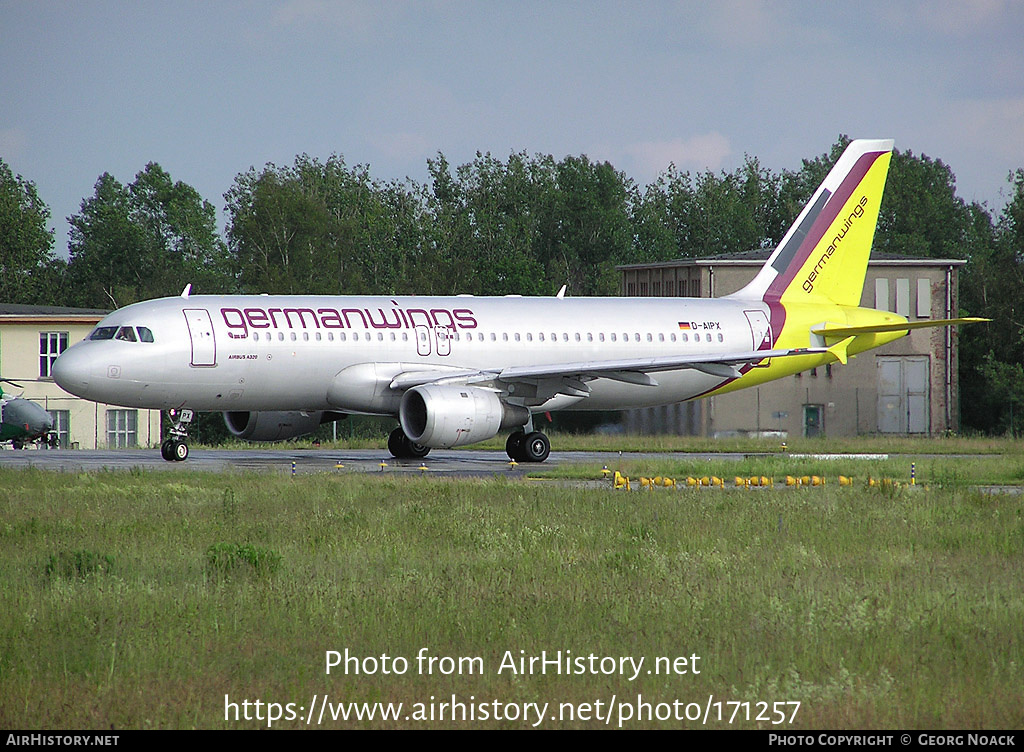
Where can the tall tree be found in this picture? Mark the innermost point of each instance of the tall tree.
(321, 227)
(992, 285)
(28, 269)
(145, 240)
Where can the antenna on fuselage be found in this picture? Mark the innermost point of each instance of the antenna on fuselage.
(561, 293)
(187, 290)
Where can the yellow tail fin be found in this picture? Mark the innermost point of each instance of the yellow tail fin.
(824, 256)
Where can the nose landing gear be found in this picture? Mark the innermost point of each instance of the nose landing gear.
(175, 448)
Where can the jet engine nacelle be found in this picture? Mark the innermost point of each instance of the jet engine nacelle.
(276, 426)
(447, 416)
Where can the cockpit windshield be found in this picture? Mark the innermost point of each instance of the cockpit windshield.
(103, 332)
(123, 333)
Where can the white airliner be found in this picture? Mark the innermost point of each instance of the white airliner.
(457, 370)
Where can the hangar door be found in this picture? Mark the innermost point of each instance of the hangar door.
(903, 395)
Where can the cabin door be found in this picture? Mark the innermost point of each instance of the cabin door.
(200, 329)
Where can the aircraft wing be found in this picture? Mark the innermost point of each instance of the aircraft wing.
(630, 370)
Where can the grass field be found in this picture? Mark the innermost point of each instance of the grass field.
(135, 600)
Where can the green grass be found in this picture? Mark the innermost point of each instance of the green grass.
(138, 600)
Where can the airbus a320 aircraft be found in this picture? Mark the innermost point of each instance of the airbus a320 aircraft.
(457, 370)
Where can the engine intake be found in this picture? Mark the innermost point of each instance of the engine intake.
(449, 416)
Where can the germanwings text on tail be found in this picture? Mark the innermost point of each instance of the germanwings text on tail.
(457, 370)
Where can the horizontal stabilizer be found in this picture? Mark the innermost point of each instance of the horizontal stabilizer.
(848, 331)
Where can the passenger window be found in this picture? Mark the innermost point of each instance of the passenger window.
(600, 337)
(613, 337)
(305, 336)
(145, 335)
(720, 339)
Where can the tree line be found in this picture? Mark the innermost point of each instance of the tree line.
(523, 225)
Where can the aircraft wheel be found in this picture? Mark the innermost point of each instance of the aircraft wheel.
(514, 446)
(179, 450)
(396, 443)
(401, 448)
(536, 447)
(416, 451)
(167, 451)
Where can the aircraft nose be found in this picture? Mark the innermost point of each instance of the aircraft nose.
(71, 371)
(33, 417)
(41, 423)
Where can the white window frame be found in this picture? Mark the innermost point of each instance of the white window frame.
(51, 344)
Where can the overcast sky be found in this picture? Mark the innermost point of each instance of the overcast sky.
(208, 89)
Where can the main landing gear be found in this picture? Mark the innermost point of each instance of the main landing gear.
(400, 446)
(527, 446)
(174, 448)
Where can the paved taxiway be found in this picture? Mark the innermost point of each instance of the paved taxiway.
(460, 462)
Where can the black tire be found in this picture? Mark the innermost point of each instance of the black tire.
(514, 445)
(166, 451)
(416, 451)
(396, 443)
(403, 449)
(180, 451)
(536, 447)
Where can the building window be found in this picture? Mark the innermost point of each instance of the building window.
(51, 344)
(122, 428)
(62, 427)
